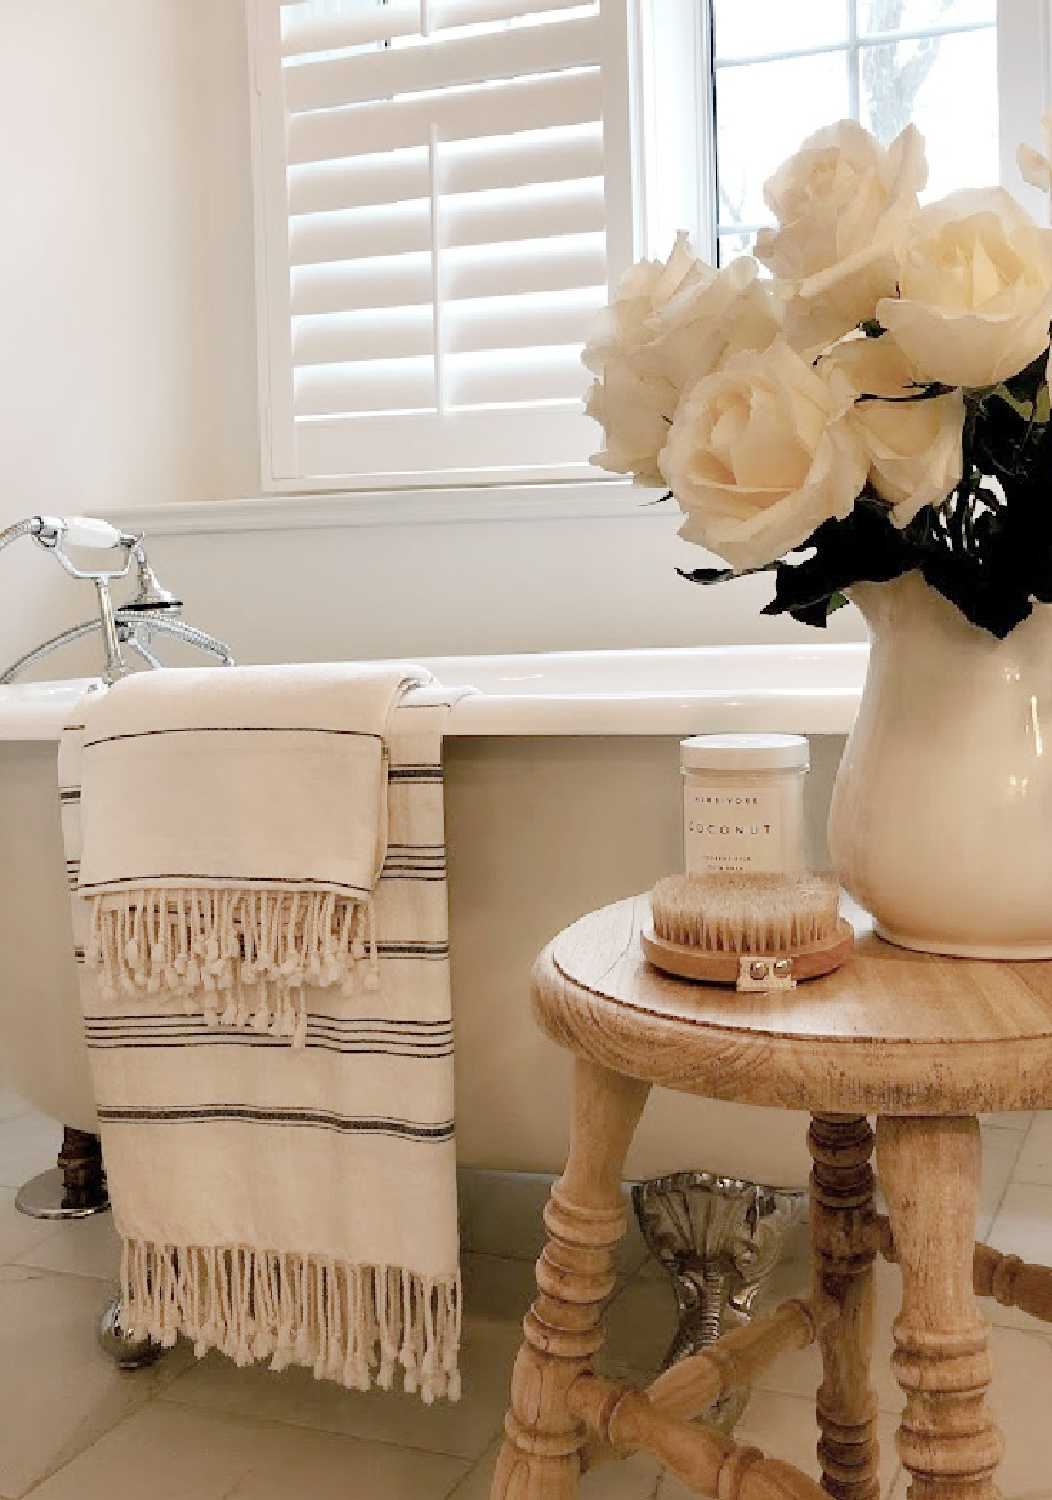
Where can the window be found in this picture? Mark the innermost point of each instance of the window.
(446, 191)
(973, 75)
(883, 62)
(443, 196)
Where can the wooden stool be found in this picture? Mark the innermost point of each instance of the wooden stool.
(922, 1042)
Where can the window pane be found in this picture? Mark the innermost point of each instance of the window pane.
(800, 94)
(913, 15)
(776, 25)
(948, 86)
(733, 243)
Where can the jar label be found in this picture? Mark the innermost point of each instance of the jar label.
(728, 830)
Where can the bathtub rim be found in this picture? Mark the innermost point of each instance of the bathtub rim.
(809, 689)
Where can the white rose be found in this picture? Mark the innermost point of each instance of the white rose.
(710, 317)
(913, 445)
(642, 291)
(635, 406)
(634, 412)
(975, 289)
(668, 326)
(840, 202)
(761, 452)
(831, 303)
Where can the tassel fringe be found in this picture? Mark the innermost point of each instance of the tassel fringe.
(351, 1324)
(240, 958)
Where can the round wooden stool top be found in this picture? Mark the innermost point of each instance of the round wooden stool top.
(893, 1032)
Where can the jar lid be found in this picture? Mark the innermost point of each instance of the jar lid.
(745, 752)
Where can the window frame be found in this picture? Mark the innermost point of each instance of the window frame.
(1024, 74)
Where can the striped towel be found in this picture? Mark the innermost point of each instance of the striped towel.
(275, 1092)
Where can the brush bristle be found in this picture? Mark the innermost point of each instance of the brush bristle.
(734, 913)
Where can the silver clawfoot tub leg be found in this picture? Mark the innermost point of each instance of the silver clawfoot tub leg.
(129, 1353)
(75, 1188)
(719, 1238)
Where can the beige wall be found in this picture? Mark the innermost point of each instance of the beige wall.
(126, 290)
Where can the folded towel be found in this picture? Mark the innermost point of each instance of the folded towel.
(274, 1202)
(234, 827)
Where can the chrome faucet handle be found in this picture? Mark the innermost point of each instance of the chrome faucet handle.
(56, 534)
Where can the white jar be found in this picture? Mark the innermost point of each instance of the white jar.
(743, 802)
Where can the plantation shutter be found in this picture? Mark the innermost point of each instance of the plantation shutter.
(444, 206)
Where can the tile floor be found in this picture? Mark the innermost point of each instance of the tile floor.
(73, 1428)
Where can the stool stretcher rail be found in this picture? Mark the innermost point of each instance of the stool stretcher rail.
(695, 1384)
(706, 1461)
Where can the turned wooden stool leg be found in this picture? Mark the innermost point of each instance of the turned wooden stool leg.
(843, 1248)
(586, 1217)
(929, 1169)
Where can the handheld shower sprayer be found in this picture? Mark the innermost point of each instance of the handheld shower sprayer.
(154, 610)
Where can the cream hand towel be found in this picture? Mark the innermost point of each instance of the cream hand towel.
(234, 825)
(281, 1203)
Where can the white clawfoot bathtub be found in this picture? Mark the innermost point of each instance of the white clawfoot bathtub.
(562, 793)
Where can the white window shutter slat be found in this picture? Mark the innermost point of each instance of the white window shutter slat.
(449, 13)
(364, 181)
(393, 230)
(395, 71)
(308, 29)
(403, 281)
(364, 334)
(522, 104)
(435, 215)
(529, 268)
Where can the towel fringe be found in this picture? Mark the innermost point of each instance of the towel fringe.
(240, 958)
(347, 1323)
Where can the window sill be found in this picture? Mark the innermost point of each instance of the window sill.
(604, 500)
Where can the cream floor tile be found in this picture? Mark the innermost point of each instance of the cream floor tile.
(497, 1290)
(500, 1214)
(1035, 1158)
(11, 1105)
(1019, 1398)
(1023, 1226)
(791, 1277)
(497, 1294)
(29, 1144)
(176, 1453)
(18, 1235)
(79, 1247)
(475, 1484)
(639, 1326)
(58, 1391)
(1001, 1153)
(1018, 1120)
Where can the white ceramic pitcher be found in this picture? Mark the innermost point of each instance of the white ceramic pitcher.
(941, 818)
